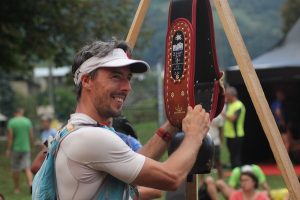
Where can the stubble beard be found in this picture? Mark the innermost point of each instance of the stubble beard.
(104, 111)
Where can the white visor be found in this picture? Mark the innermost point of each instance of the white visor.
(116, 58)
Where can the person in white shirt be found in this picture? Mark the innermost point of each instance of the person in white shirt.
(92, 154)
(216, 133)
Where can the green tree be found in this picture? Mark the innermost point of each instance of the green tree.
(141, 104)
(34, 30)
(290, 14)
(28, 103)
(65, 102)
(7, 96)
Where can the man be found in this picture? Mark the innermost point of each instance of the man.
(19, 142)
(280, 115)
(102, 73)
(120, 126)
(47, 130)
(234, 126)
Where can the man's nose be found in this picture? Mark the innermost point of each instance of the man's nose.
(126, 85)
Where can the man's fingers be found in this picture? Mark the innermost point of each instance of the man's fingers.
(198, 107)
(189, 109)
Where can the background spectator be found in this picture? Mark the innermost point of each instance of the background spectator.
(19, 142)
(280, 115)
(234, 126)
(46, 128)
(216, 133)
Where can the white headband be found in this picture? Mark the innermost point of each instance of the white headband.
(116, 58)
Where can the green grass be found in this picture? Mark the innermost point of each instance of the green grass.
(145, 131)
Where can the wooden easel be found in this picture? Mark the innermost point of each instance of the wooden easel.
(253, 86)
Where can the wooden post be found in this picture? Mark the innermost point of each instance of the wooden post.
(258, 98)
(137, 22)
(191, 192)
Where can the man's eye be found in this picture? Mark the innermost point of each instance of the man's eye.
(116, 76)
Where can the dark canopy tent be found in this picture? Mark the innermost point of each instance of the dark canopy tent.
(277, 68)
(3, 120)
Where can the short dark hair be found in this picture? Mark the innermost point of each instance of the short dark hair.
(252, 176)
(19, 110)
(96, 49)
(231, 90)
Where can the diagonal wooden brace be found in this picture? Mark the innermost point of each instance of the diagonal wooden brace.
(258, 98)
(137, 22)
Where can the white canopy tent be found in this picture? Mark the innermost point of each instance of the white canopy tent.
(3, 118)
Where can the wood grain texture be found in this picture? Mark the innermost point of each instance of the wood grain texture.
(192, 187)
(258, 98)
(137, 22)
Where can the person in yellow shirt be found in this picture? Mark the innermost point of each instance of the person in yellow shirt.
(234, 116)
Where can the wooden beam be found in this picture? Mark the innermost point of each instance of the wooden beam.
(258, 98)
(137, 22)
(191, 192)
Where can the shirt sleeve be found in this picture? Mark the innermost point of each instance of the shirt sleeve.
(43, 137)
(134, 144)
(219, 121)
(259, 173)
(53, 132)
(103, 150)
(234, 177)
(9, 124)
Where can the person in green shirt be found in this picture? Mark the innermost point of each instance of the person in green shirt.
(234, 116)
(19, 141)
(234, 181)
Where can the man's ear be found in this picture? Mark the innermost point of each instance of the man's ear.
(86, 81)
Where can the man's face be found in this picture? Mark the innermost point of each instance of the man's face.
(228, 97)
(109, 90)
(46, 124)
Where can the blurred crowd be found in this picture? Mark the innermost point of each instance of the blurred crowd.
(244, 182)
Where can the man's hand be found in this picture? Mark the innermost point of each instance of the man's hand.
(7, 153)
(172, 172)
(196, 122)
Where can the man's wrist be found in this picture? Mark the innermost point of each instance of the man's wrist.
(164, 135)
(169, 128)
